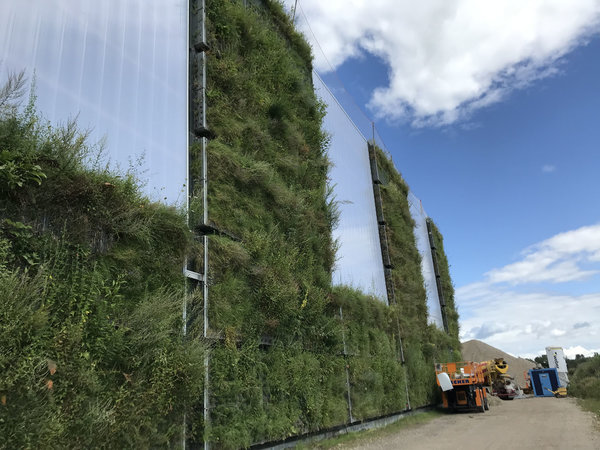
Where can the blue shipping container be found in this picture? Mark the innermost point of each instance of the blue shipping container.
(544, 381)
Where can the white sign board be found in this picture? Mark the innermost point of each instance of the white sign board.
(556, 360)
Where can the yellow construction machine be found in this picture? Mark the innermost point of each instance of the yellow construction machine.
(495, 372)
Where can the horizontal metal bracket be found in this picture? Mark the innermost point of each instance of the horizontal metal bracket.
(201, 46)
(200, 131)
(207, 229)
(193, 275)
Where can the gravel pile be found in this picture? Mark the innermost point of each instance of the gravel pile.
(477, 351)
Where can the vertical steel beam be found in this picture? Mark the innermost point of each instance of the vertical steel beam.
(198, 133)
(347, 368)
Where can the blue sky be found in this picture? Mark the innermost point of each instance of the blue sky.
(493, 118)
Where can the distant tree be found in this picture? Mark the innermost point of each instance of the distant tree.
(572, 364)
(585, 382)
(542, 360)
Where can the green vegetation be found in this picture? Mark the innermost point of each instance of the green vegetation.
(267, 168)
(423, 344)
(447, 287)
(585, 384)
(573, 364)
(91, 294)
(90, 275)
(542, 360)
(282, 348)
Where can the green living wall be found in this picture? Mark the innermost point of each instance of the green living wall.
(423, 344)
(283, 340)
(447, 286)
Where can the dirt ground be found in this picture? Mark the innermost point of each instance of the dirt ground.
(530, 423)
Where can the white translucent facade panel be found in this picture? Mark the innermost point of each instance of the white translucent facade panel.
(434, 309)
(120, 66)
(359, 262)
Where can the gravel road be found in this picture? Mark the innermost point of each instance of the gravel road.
(530, 423)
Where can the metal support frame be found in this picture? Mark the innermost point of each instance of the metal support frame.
(347, 368)
(438, 277)
(199, 133)
(385, 251)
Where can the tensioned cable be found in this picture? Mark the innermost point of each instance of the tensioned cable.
(343, 86)
(334, 71)
(339, 104)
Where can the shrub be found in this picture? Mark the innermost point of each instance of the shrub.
(90, 293)
(585, 382)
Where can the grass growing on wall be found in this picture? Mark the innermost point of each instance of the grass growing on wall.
(267, 170)
(424, 344)
(91, 286)
(447, 286)
(370, 332)
(278, 366)
(267, 186)
(90, 299)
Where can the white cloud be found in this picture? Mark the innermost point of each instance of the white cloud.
(447, 58)
(488, 329)
(571, 352)
(523, 323)
(498, 311)
(557, 260)
(548, 168)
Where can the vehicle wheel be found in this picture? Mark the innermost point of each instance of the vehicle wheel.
(485, 404)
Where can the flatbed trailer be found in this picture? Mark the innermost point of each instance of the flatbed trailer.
(462, 386)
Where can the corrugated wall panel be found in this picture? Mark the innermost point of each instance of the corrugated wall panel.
(423, 245)
(359, 261)
(120, 66)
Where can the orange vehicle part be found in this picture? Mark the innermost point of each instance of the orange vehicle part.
(527, 389)
(467, 391)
